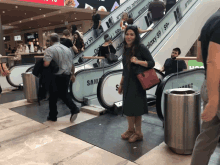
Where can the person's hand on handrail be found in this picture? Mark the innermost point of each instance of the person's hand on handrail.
(100, 57)
(38, 56)
(186, 58)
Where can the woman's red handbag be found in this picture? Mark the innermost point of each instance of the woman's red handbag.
(148, 79)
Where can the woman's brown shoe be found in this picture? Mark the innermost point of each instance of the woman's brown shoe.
(135, 137)
(127, 134)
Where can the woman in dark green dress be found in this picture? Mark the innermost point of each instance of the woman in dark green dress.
(136, 56)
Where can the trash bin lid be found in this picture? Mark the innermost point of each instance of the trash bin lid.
(180, 91)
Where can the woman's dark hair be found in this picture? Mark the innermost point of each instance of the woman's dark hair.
(130, 21)
(178, 50)
(79, 41)
(66, 32)
(135, 44)
(107, 38)
(74, 28)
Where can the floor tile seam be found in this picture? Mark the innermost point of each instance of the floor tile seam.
(22, 136)
(16, 124)
(125, 162)
(9, 116)
(152, 124)
(74, 155)
(14, 102)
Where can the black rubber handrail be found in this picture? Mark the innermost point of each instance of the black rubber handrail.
(8, 77)
(90, 70)
(105, 32)
(28, 70)
(103, 79)
(111, 13)
(164, 17)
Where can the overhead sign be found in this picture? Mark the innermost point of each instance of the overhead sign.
(50, 2)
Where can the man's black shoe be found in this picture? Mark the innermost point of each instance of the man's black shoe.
(51, 119)
(74, 115)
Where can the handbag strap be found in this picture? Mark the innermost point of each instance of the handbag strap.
(109, 50)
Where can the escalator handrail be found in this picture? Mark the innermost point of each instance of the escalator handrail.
(117, 36)
(8, 77)
(111, 13)
(103, 79)
(88, 60)
(161, 87)
(29, 69)
(105, 32)
(164, 17)
(88, 70)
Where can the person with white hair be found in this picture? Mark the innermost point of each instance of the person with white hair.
(63, 57)
(123, 23)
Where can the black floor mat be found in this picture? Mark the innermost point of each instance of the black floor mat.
(40, 113)
(105, 132)
(152, 117)
(11, 96)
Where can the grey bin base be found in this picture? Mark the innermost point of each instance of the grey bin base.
(181, 152)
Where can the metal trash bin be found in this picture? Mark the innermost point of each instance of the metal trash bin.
(30, 85)
(182, 108)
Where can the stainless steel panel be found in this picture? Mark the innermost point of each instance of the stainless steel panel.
(30, 83)
(182, 119)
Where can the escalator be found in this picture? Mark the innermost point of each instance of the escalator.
(114, 31)
(156, 41)
(134, 8)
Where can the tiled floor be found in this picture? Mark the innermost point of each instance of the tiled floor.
(25, 139)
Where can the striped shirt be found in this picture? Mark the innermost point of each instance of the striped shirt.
(62, 56)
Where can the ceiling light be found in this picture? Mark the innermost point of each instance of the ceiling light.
(29, 27)
(20, 21)
(31, 18)
(3, 11)
(16, 7)
(25, 13)
(75, 18)
(49, 23)
(44, 15)
(9, 24)
(39, 9)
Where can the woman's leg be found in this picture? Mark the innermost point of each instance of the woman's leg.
(131, 123)
(138, 133)
(131, 130)
(138, 125)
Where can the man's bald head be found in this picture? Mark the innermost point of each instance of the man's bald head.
(54, 37)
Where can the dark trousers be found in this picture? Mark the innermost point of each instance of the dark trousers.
(169, 6)
(62, 84)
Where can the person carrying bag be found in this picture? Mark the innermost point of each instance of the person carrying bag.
(111, 57)
(108, 51)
